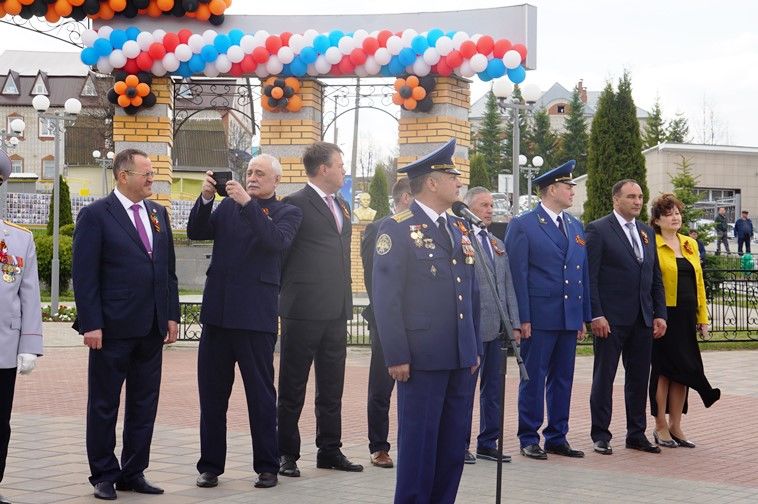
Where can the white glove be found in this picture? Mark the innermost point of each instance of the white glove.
(26, 363)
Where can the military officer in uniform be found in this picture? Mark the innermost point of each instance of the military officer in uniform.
(548, 258)
(426, 304)
(21, 325)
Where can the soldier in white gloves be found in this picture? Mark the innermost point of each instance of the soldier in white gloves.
(21, 315)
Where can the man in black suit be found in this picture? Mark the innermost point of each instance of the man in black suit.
(251, 232)
(315, 304)
(380, 383)
(623, 261)
(127, 304)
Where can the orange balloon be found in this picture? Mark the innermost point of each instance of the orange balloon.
(117, 5)
(228, 3)
(143, 89)
(105, 12)
(137, 101)
(418, 93)
(412, 81)
(399, 83)
(154, 10)
(124, 101)
(63, 8)
(26, 2)
(265, 105)
(2, 11)
(293, 83)
(76, 3)
(270, 81)
(165, 5)
(120, 87)
(397, 99)
(12, 7)
(51, 16)
(277, 93)
(131, 80)
(202, 13)
(410, 103)
(295, 103)
(217, 7)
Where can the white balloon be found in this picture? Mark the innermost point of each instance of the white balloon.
(333, 55)
(359, 36)
(382, 56)
(209, 36)
(478, 62)
(322, 65)
(171, 62)
(421, 68)
(375, 33)
(260, 38)
(346, 45)
(261, 71)
(274, 66)
(312, 70)
(145, 40)
(395, 45)
(158, 35)
(444, 45)
(459, 38)
(117, 58)
(466, 70)
(196, 43)
(182, 51)
(89, 37)
(309, 35)
(131, 49)
(262, 33)
(105, 32)
(296, 43)
(431, 56)
(210, 70)
(475, 37)
(408, 35)
(247, 44)
(235, 54)
(158, 69)
(512, 59)
(285, 55)
(409, 69)
(372, 66)
(361, 71)
(104, 65)
(223, 65)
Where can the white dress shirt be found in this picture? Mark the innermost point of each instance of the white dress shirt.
(337, 210)
(630, 236)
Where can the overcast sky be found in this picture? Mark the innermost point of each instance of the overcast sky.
(694, 55)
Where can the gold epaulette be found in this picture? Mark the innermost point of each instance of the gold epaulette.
(17, 226)
(402, 216)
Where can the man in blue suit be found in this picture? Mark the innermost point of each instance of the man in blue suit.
(127, 304)
(251, 232)
(628, 311)
(426, 304)
(549, 264)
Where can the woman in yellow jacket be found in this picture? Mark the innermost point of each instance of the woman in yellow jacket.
(676, 361)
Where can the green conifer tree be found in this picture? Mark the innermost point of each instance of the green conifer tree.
(379, 193)
(600, 158)
(684, 182)
(543, 141)
(64, 217)
(678, 130)
(489, 138)
(479, 174)
(574, 139)
(655, 131)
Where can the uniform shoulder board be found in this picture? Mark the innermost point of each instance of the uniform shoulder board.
(402, 216)
(17, 226)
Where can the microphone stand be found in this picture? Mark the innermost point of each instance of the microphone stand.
(506, 339)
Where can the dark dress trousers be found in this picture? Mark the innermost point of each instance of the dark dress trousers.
(239, 316)
(315, 303)
(427, 312)
(120, 289)
(629, 294)
(380, 383)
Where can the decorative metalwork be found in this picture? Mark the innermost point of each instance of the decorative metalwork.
(732, 304)
(190, 327)
(192, 96)
(341, 97)
(69, 32)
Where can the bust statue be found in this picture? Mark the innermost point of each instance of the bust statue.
(363, 212)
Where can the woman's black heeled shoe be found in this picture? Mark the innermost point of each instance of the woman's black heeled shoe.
(668, 443)
(682, 442)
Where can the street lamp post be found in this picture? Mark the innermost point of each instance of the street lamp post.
(531, 171)
(9, 141)
(57, 121)
(105, 163)
(503, 90)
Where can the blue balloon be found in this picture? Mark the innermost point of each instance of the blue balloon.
(236, 36)
(286, 71)
(451, 34)
(132, 32)
(335, 36)
(222, 43)
(496, 68)
(484, 76)
(209, 53)
(321, 43)
(103, 47)
(118, 37)
(298, 67)
(419, 44)
(396, 67)
(196, 63)
(308, 55)
(517, 75)
(89, 56)
(184, 69)
(433, 35)
(407, 56)
(385, 71)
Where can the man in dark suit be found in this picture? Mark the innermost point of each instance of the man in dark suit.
(426, 303)
(315, 303)
(380, 383)
(251, 232)
(127, 304)
(628, 311)
(549, 265)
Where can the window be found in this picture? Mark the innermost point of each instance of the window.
(46, 128)
(561, 109)
(17, 165)
(48, 168)
(89, 88)
(10, 87)
(39, 86)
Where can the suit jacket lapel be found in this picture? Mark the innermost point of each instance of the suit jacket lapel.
(623, 236)
(548, 226)
(320, 205)
(118, 212)
(157, 236)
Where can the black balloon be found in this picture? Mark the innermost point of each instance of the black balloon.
(149, 100)
(78, 14)
(189, 5)
(91, 6)
(131, 92)
(288, 92)
(39, 8)
(272, 102)
(216, 20)
(279, 83)
(283, 102)
(425, 105)
(26, 12)
(141, 4)
(119, 75)
(405, 92)
(131, 109)
(145, 77)
(178, 10)
(428, 82)
(113, 96)
(267, 90)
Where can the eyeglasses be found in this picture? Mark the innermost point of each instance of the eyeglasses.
(149, 174)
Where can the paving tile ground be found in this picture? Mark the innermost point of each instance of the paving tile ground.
(47, 461)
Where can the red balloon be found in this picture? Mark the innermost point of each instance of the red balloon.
(521, 49)
(335, 70)
(346, 66)
(260, 54)
(453, 59)
(248, 64)
(170, 41)
(184, 35)
(131, 66)
(383, 36)
(357, 57)
(443, 68)
(157, 51)
(285, 36)
(370, 45)
(468, 49)
(236, 69)
(502, 46)
(273, 43)
(144, 61)
(485, 44)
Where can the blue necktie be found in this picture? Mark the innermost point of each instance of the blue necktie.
(485, 245)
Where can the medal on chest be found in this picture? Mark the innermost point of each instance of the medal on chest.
(10, 265)
(417, 235)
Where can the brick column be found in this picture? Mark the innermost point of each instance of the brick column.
(421, 132)
(285, 135)
(356, 266)
(151, 130)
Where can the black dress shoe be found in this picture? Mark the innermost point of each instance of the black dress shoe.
(602, 447)
(565, 450)
(288, 466)
(642, 445)
(683, 442)
(490, 454)
(104, 490)
(338, 462)
(139, 485)
(266, 480)
(534, 451)
(207, 480)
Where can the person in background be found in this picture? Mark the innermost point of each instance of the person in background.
(722, 231)
(700, 245)
(743, 230)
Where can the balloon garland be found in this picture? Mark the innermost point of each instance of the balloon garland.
(132, 92)
(280, 95)
(379, 53)
(414, 94)
(53, 10)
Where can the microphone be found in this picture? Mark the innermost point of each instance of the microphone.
(462, 210)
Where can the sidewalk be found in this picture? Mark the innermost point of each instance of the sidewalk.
(47, 461)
